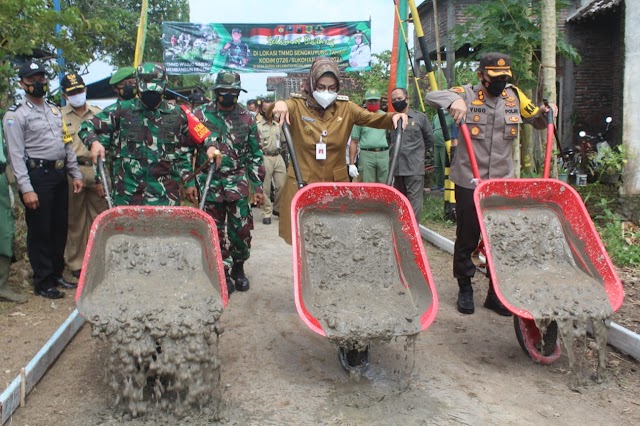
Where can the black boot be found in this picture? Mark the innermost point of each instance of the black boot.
(465, 296)
(237, 273)
(492, 302)
(230, 286)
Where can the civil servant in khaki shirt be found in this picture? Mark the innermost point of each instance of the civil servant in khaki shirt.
(84, 206)
(318, 119)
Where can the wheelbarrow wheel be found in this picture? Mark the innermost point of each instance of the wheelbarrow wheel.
(353, 360)
(544, 349)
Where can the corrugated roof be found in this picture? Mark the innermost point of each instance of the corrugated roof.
(594, 9)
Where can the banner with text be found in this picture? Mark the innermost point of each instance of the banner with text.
(191, 48)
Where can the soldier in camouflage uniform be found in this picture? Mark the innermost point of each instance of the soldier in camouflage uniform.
(228, 197)
(150, 144)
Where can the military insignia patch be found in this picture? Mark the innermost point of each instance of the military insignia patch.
(514, 131)
(501, 62)
(477, 102)
(457, 89)
(476, 118)
(510, 104)
(307, 129)
(513, 119)
(475, 131)
(481, 95)
(511, 98)
(10, 121)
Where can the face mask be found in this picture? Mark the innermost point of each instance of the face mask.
(128, 92)
(325, 98)
(37, 89)
(373, 108)
(227, 99)
(151, 99)
(399, 105)
(77, 100)
(494, 88)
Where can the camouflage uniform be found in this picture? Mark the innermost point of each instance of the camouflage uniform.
(151, 148)
(228, 196)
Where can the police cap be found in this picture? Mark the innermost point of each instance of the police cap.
(30, 68)
(495, 64)
(71, 82)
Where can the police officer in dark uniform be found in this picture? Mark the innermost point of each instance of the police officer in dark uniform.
(41, 155)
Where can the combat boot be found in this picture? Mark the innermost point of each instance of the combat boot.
(465, 296)
(492, 302)
(5, 292)
(230, 286)
(237, 273)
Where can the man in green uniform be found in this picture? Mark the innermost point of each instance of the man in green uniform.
(373, 164)
(228, 197)
(7, 228)
(150, 144)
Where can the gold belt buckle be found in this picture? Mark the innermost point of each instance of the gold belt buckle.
(59, 164)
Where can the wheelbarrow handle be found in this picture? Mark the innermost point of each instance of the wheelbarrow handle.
(207, 184)
(472, 155)
(546, 171)
(395, 153)
(292, 155)
(105, 183)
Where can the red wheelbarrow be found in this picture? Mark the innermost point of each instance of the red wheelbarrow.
(360, 270)
(567, 250)
(195, 229)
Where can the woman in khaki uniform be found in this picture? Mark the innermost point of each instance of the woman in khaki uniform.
(321, 123)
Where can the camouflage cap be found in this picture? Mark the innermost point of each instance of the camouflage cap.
(151, 77)
(496, 64)
(122, 74)
(372, 94)
(228, 80)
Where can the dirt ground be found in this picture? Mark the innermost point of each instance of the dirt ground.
(464, 369)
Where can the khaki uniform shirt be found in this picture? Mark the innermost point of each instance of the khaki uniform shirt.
(271, 136)
(307, 127)
(73, 121)
(493, 124)
(35, 131)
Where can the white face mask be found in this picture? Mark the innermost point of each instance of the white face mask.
(77, 100)
(325, 98)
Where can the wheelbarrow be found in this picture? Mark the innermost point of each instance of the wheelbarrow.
(565, 228)
(150, 222)
(358, 264)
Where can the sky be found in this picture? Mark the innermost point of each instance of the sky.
(381, 12)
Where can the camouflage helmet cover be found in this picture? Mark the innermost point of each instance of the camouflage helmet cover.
(228, 80)
(151, 77)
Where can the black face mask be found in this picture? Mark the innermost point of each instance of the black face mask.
(128, 92)
(399, 105)
(227, 99)
(37, 89)
(494, 88)
(151, 99)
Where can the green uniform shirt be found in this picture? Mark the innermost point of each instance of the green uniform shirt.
(368, 137)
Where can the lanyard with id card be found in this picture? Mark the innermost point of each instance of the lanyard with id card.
(321, 148)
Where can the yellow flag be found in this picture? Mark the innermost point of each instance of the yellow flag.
(142, 34)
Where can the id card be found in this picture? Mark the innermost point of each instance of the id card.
(321, 151)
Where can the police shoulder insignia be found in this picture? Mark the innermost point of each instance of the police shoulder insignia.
(514, 119)
(297, 95)
(14, 107)
(510, 98)
(342, 98)
(510, 104)
(477, 102)
(457, 89)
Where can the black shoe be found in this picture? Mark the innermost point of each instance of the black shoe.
(275, 213)
(50, 293)
(492, 302)
(230, 285)
(237, 273)
(76, 273)
(61, 282)
(465, 302)
(266, 221)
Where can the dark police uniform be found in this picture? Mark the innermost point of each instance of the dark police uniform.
(41, 158)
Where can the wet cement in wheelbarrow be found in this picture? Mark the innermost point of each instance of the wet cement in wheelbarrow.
(537, 272)
(354, 284)
(157, 310)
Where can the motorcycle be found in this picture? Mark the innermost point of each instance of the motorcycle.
(582, 159)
